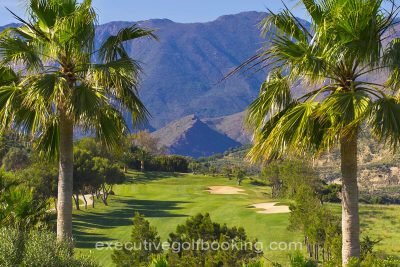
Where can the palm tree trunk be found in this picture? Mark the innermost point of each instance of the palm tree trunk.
(64, 214)
(350, 216)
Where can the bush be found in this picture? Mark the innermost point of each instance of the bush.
(380, 197)
(42, 177)
(374, 261)
(160, 262)
(298, 260)
(140, 256)
(201, 228)
(19, 209)
(16, 159)
(330, 193)
(36, 248)
(168, 164)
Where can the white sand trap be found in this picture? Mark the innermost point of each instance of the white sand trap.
(270, 208)
(225, 190)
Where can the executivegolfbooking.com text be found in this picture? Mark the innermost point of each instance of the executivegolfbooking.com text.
(200, 245)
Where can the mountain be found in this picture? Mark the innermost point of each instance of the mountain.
(184, 69)
(190, 136)
(232, 126)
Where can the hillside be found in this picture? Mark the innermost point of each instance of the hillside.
(190, 136)
(182, 71)
(232, 126)
(378, 166)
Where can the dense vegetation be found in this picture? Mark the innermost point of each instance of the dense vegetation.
(37, 248)
(198, 242)
(50, 86)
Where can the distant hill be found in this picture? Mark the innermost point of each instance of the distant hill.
(190, 136)
(183, 70)
(232, 126)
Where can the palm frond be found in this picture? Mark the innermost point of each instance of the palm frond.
(385, 120)
(275, 94)
(113, 48)
(314, 10)
(119, 79)
(113, 75)
(392, 59)
(86, 102)
(16, 50)
(293, 129)
(285, 24)
(8, 76)
(10, 100)
(109, 126)
(48, 142)
(345, 111)
(45, 87)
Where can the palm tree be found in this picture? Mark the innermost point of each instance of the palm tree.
(332, 57)
(50, 85)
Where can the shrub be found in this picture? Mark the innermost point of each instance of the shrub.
(16, 159)
(298, 260)
(330, 193)
(140, 256)
(373, 260)
(200, 228)
(168, 164)
(19, 209)
(160, 262)
(36, 248)
(42, 177)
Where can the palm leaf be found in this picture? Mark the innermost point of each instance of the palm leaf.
(16, 50)
(48, 142)
(385, 120)
(274, 94)
(293, 129)
(113, 48)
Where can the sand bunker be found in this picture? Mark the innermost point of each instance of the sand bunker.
(270, 208)
(225, 190)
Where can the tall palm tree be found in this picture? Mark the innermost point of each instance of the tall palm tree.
(332, 57)
(54, 80)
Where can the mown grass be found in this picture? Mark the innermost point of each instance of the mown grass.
(168, 199)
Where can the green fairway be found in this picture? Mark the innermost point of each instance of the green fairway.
(168, 199)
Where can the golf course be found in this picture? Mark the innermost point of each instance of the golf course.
(168, 199)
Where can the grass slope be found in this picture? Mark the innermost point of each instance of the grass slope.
(168, 199)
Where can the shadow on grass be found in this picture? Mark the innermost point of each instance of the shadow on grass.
(120, 216)
(369, 217)
(88, 240)
(142, 178)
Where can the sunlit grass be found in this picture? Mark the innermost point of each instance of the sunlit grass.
(168, 199)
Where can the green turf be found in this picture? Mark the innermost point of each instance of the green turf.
(168, 199)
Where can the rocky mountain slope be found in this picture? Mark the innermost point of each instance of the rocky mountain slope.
(190, 136)
(232, 126)
(183, 70)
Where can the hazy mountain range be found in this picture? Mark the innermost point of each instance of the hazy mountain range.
(182, 85)
(184, 69)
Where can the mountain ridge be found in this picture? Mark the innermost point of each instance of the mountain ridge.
(183, 70)
(190, 136)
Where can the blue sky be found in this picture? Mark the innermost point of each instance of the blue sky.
(176, 10)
